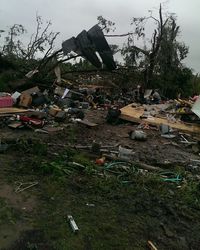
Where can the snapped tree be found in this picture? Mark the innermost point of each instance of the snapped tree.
(160, 60)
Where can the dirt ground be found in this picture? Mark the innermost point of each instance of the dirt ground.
(109, 213)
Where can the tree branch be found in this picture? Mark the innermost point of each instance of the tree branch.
(146, 53)
(155, 19)
(127, 34)
(64, 60)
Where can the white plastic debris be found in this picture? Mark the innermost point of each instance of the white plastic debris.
(72, 223)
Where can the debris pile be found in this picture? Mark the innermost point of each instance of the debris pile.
(44, 110)
(47, 109)
(178, 114)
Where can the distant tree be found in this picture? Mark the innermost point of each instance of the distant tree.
(13, 41)
(160, 59)
(5, 64)
(41, 42)
(115, 48)
(195, 83)
(106, 25)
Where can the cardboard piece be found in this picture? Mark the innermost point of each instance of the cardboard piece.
(54, 110)
(31, 91)
(16, 125)
(60, 116)
(25, 100)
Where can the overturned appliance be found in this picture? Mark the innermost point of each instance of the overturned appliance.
(87, 44)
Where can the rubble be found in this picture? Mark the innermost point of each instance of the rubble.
(160, 115)
(124, 155)
(138, 135)
(72, 223)
(51, 110)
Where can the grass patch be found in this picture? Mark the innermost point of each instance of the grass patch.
(8, 215)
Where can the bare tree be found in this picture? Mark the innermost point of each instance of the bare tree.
(150, 54)
(12, 43)
(41, 42)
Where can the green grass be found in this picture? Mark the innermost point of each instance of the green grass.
(124, 216)
(8, 214)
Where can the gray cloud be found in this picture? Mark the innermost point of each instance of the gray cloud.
(71, 16)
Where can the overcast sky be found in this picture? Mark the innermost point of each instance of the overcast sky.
(69, 17)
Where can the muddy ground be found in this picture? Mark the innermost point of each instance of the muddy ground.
(110, 213)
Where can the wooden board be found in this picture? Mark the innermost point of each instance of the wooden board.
(12, 110)
(15, 125)
(52, 129)
(87, 123)
(131, 114)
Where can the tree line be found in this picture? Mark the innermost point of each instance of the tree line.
(153, 62)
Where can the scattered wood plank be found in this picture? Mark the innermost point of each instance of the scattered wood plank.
(88, 123)
(131, 114)
(151, 245)
(15, 125)
(8, 111)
